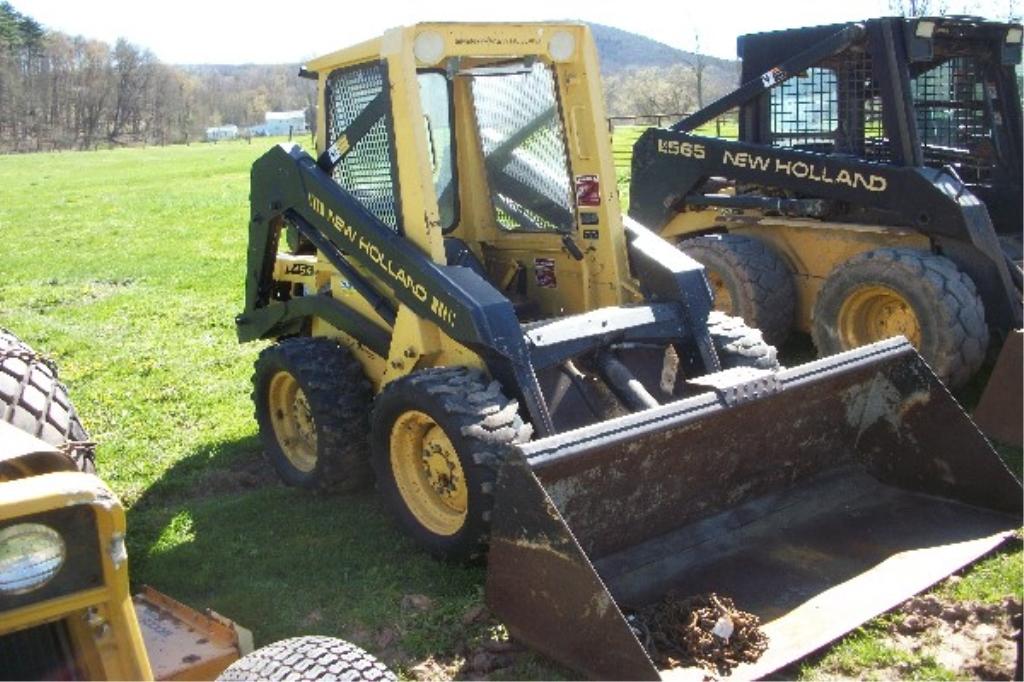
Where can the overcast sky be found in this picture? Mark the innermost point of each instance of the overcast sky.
(228, 32)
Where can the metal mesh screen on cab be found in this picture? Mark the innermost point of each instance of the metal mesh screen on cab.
(834, 108)
(366, 171)
(524, 149)
(950, 105)
(805, 111)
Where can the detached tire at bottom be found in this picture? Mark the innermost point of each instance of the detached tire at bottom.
(33, 399)
(308, 658)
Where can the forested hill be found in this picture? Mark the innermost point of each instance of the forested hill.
(621, 50)
(59, 91)
(644, 77)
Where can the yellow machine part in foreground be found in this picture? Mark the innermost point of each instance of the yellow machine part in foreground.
(86, 605)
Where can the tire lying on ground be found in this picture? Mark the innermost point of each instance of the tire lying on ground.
(33, 399)
(749, 280)
(921, 295)
(307, 658)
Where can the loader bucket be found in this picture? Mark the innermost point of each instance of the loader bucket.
(999, 411)
(816, 508)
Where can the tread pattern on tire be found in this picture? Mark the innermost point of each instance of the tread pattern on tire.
(339, 396)
(956, 348)
(766, 296)
(740, 345)
(33, 399)
(312, 658)
(484, 416)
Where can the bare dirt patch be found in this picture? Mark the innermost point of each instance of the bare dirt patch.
(248, 473)
(970, 639)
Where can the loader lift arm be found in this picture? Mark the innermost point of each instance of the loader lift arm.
(288, 186)
(286, 181)
(834, 44)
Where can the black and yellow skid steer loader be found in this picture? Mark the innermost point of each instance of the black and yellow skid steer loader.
(460, 310)
(874, 190)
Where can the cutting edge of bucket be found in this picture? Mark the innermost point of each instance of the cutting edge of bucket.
(828, 616)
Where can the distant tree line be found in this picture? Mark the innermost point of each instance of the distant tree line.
(68, 92)
(655, 90)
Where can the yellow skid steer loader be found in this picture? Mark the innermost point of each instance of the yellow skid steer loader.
(461, 311)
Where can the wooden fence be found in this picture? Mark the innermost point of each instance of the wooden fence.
(626, 129)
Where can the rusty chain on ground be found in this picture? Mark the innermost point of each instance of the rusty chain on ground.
(681, 632)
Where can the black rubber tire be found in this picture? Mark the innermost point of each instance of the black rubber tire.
(312, 658)
(738, 344)
(757, 278)
(33, 399)
(338, 395)
(951, 315)
(478, 419)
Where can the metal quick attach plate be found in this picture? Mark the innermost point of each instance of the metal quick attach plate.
(740, 384)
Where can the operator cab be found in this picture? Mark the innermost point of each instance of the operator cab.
(510, 144)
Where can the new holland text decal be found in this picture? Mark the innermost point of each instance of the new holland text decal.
(383, 262)
(806, 170)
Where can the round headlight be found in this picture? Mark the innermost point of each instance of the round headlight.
(428, 47)
(562, 46)
(30, 555)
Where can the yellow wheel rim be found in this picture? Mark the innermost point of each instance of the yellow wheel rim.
(876, 312)
(428, 473)
(293, 421)
(723, 298)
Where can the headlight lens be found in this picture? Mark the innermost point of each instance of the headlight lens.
(31, 554)
(562, 46)
(428, 47)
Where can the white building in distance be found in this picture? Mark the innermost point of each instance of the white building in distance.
(281, 123)
(228, 132)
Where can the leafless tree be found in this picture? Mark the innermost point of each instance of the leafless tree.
(698, 62)
(132, 68)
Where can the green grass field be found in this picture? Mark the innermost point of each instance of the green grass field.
(126, 266)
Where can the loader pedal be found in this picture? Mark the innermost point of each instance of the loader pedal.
(740, 384)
